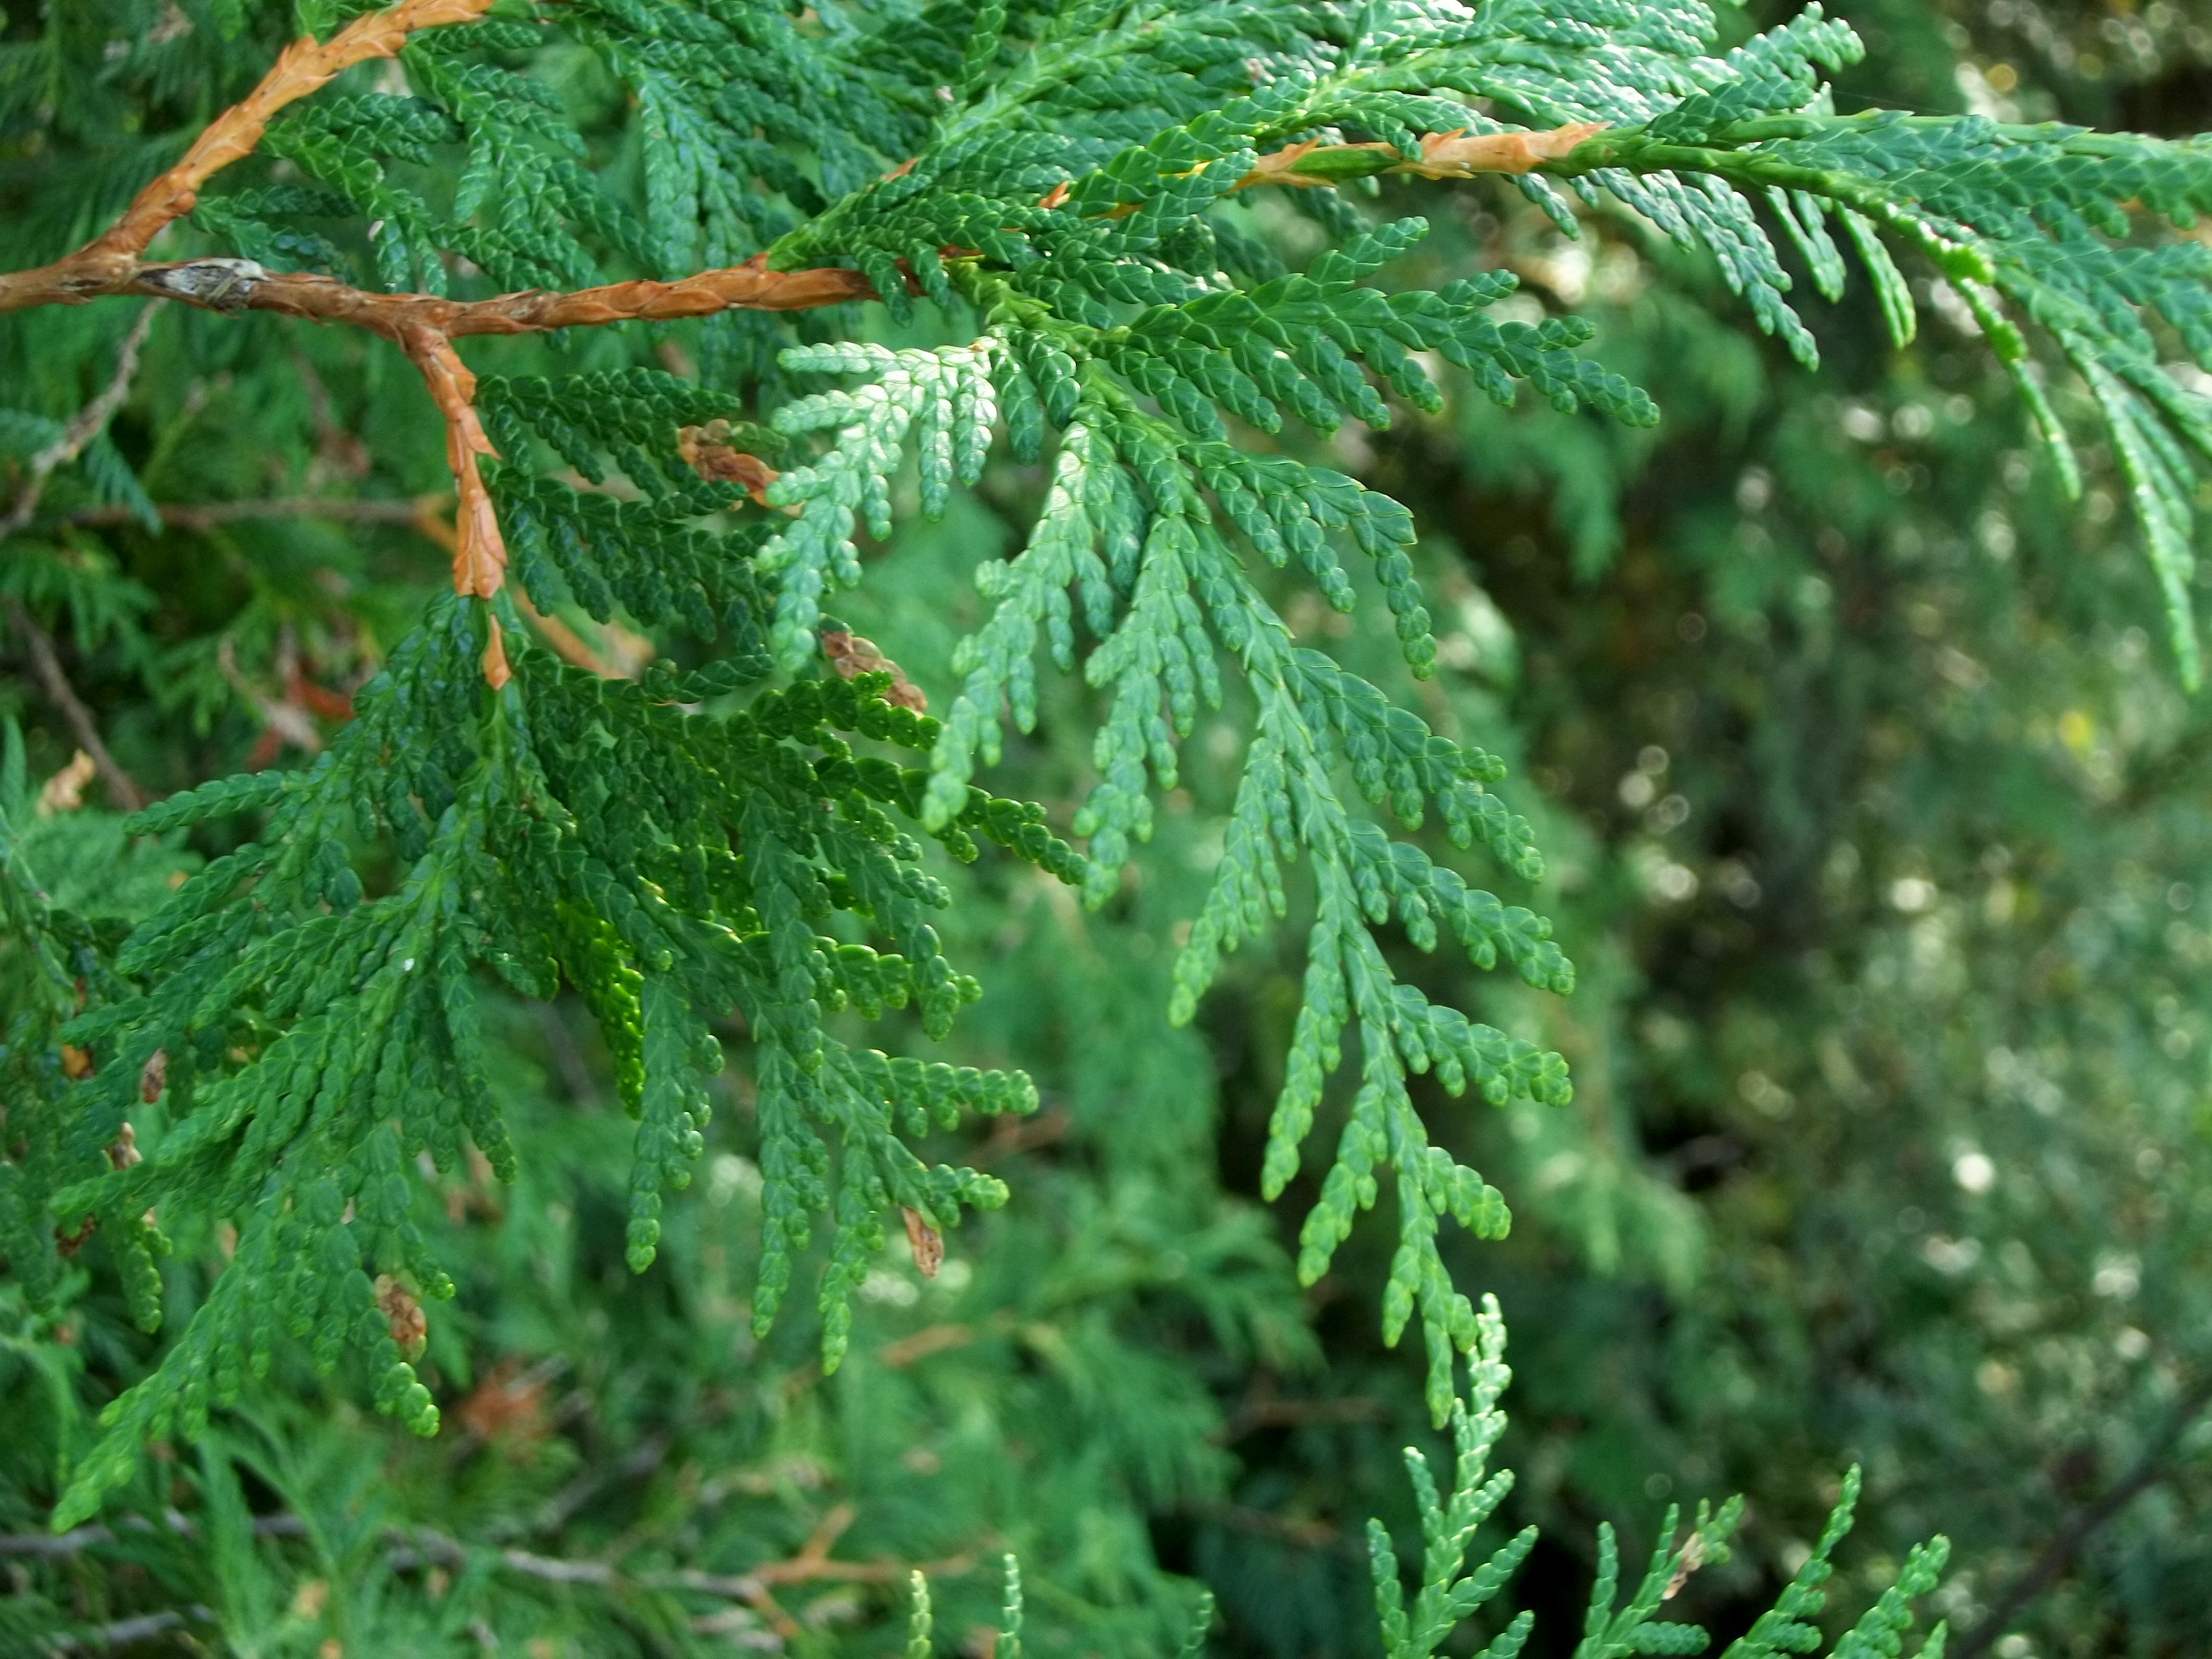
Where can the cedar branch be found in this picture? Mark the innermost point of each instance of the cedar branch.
(109, 264)
(215, 283)
(425, 326)
(305, 66)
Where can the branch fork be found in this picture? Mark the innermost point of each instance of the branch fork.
(425, 326)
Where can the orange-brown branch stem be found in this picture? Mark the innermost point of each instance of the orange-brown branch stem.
(425, 326)
(1456, 155)
(224, 284)
(303, 67)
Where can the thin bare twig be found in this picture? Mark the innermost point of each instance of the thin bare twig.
(54, 1545)
(122, 790)
(83, 426)
(203, 517)
(414, 1547)
(642, 1461)
(1261, 1409)
(1320, 1536)
(2058, 1554)
(291, 723)
(105, 1638)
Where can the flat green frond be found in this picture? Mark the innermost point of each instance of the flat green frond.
(2046, 227)
(670, 866)
(1612, 1628)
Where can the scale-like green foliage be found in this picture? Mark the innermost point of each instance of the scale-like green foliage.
(1062, 185)
(1446, 1599)
(1449, 1597)
(312, 1040)
(2026, 222)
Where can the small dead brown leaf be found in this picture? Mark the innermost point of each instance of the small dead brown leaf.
(925, 1242)
(707, 450)
(508, 1405)
(403, 1315)
(65, 791)
(1693, 1557)
(1462, 154)
(851, 656)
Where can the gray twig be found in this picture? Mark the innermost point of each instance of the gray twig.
(415, 1547)
(105, 1638)
(83, 426)
(122, 789)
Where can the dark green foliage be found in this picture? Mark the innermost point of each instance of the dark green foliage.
(56, 943)
(1081, 222)
(649, 558)
(311, 1052)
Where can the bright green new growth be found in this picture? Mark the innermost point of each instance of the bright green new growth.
(1063, 185)
(1009, 1645)
(1447, 1597)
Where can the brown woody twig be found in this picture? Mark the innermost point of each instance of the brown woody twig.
(122, 790)
(425, 326)
(107, 264)
(214, 283)
(479, 551)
